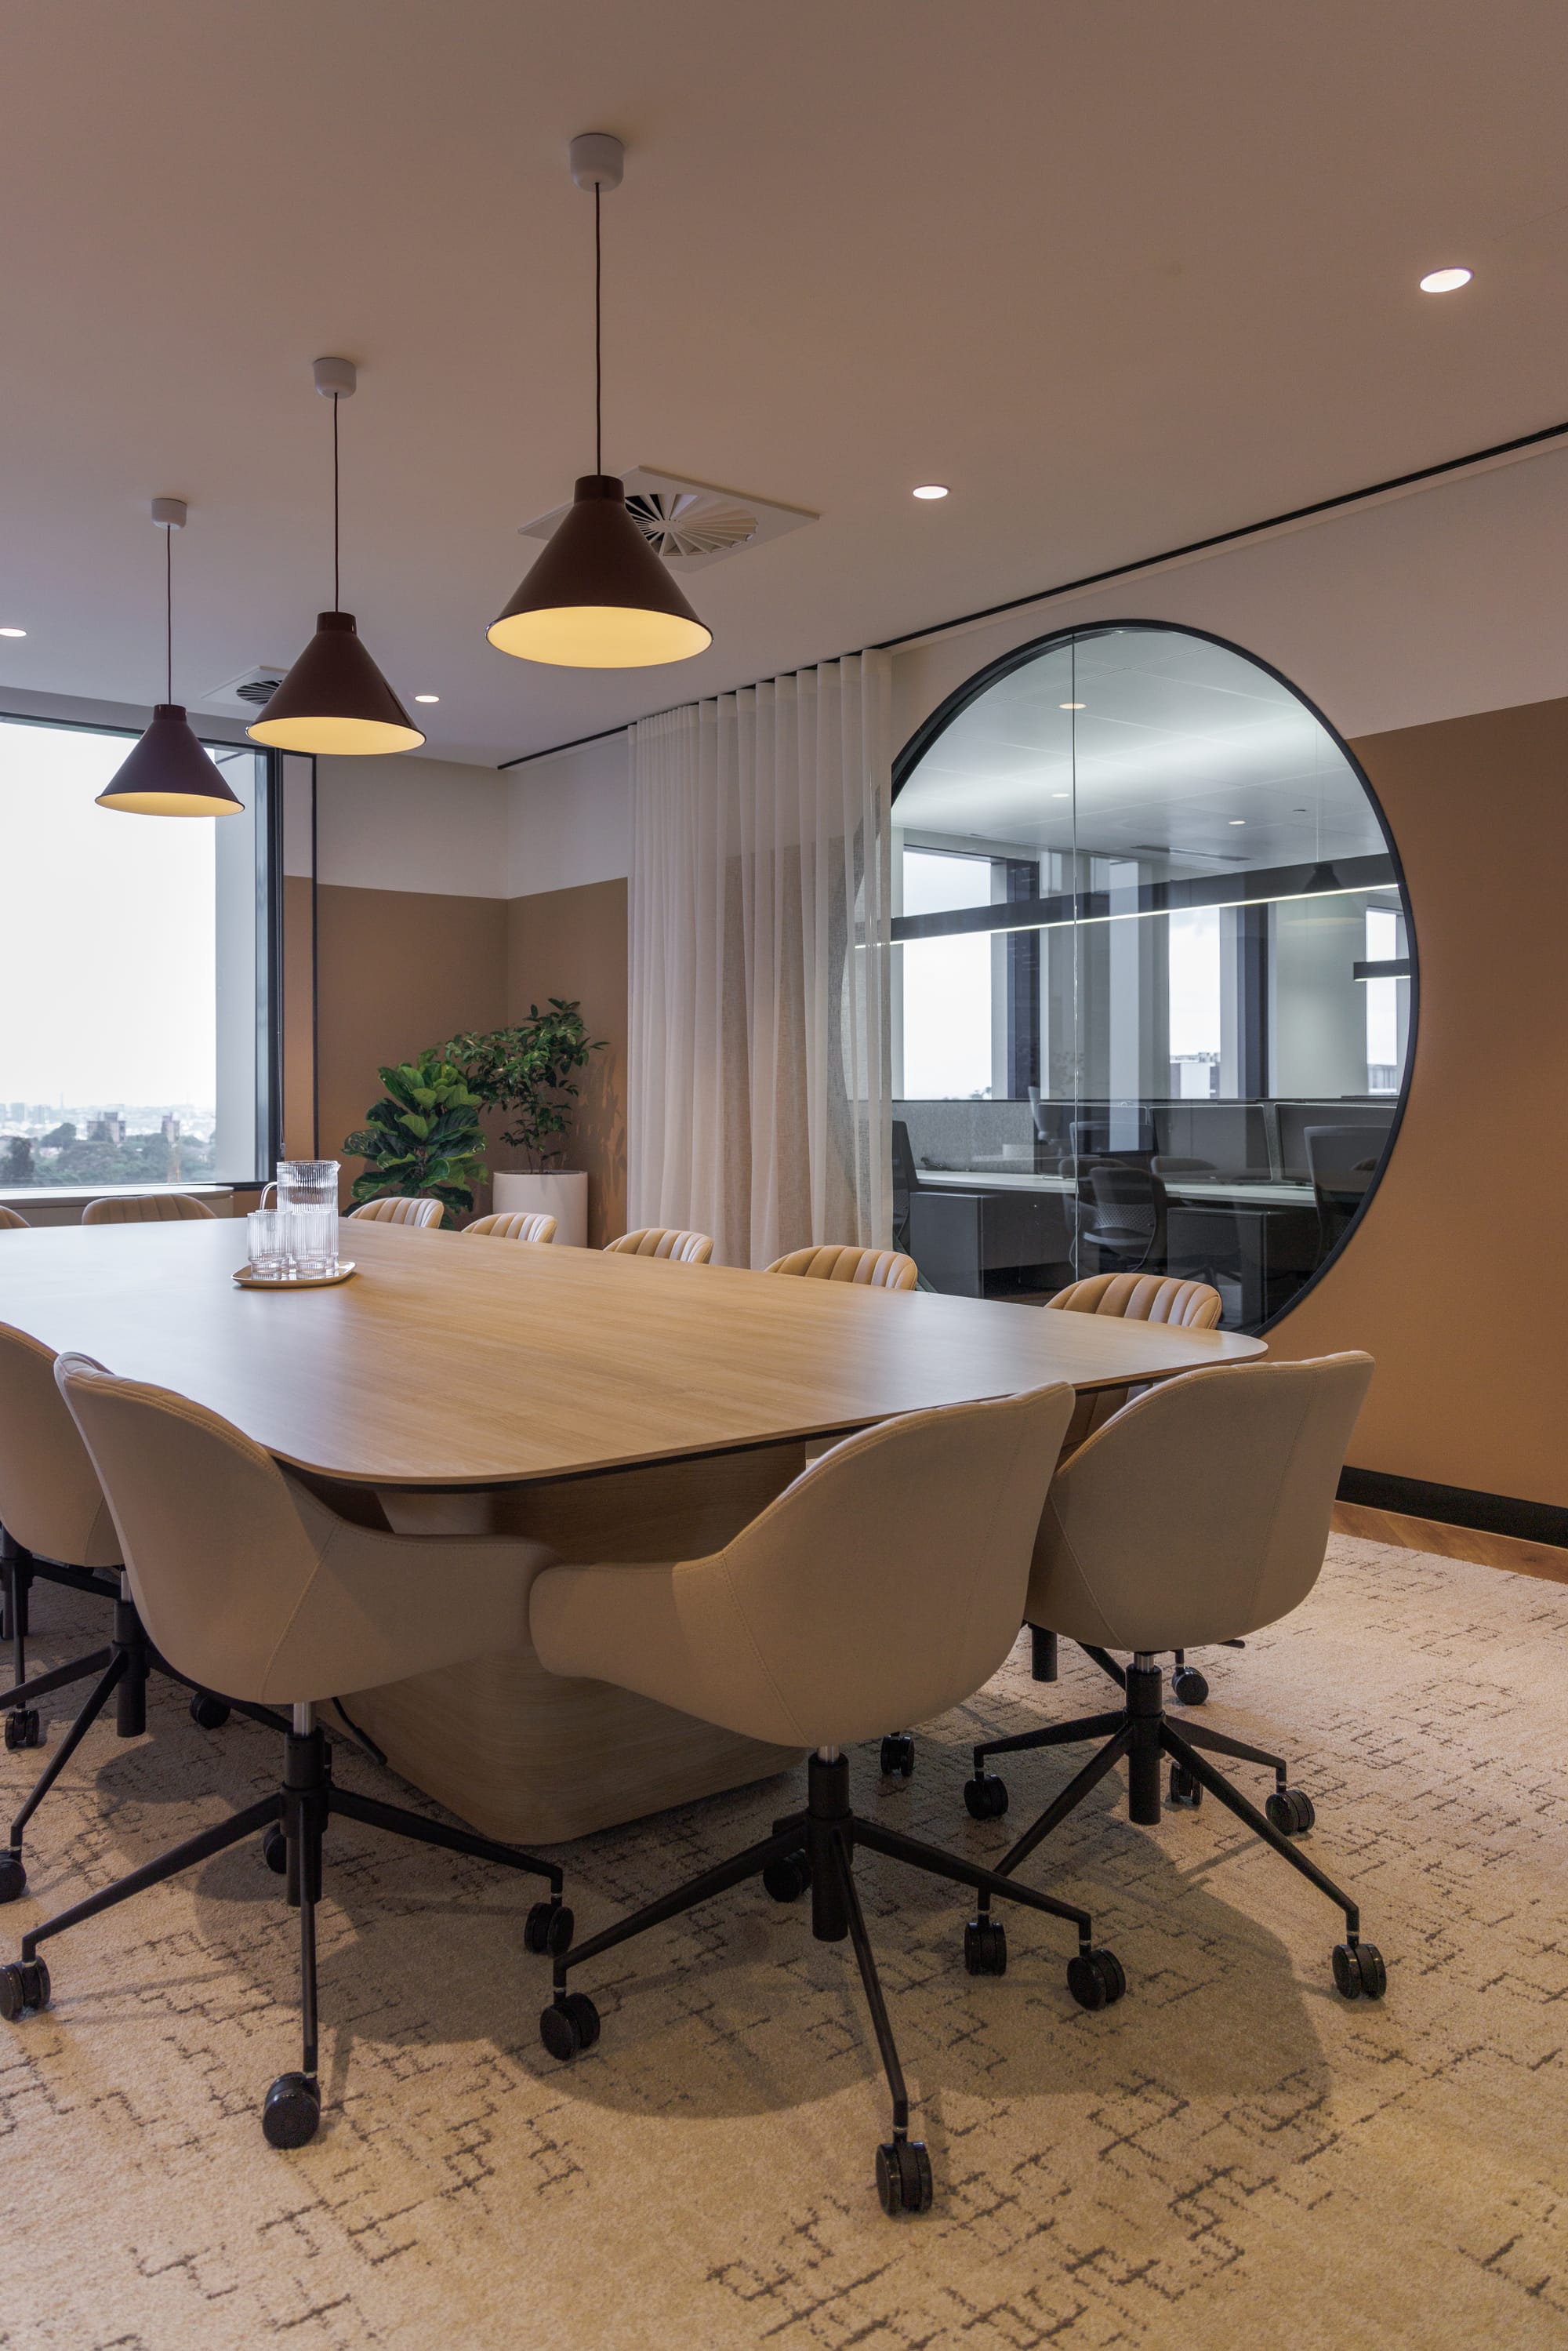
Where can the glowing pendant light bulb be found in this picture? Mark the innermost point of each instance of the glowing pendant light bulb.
(168, 773)
(599, 597)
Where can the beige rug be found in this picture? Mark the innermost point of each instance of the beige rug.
(1232, 2157)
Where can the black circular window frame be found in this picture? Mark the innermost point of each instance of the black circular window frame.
(959, 701)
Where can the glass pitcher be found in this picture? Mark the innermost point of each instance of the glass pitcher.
(307, 1183)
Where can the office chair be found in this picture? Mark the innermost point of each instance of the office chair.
(1202, 1509)
(514, 1225)
(1126, 1218)
(867, 1268)
(10, 1222)
(663, 1240)
(247, 1580)
(147, 1208)
(421, 1214)
(905, 1181)
(58, 1525)
(1342, 1169)
(886, 1582)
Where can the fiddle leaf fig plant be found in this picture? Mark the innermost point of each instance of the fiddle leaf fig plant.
(423, 1140)
(528, 1073)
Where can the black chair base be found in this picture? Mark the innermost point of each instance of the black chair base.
(1140, 1733)
(1188, 1686)
(814, 1850)
(299, 1811)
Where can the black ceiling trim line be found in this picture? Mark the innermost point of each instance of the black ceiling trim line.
(1119, 571)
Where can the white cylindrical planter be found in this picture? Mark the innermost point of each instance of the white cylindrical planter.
(562, 1196)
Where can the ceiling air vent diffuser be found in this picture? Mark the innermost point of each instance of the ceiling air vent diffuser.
(690, 523)
(247, 694)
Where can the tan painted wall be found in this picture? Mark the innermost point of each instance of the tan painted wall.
(572, 943)
(1457, 1279)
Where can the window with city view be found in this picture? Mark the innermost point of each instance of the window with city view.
(128, 1016)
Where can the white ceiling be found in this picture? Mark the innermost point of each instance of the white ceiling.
(1121, 276)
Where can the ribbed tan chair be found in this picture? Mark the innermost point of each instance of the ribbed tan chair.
(886, 1581)
(146, 1209)
(10, 1222)
(1200, 1511)
(1132, 1298)
(58, 1525)
(517, 1224)
(869, 1268)
(663, 1240)
(418, 1213)
(247, 1582)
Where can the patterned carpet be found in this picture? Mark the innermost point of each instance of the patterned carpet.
(1232, 2157)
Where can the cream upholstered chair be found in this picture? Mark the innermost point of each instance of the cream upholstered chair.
(247, 1580)
(1132, 1298)
(58, 1525)
(888, 1580)
(388, 1211)
(146, 1209)
(1202, 1509)
(868, 1268)
(515, 1225)
(663, 1240)
(10, 1222)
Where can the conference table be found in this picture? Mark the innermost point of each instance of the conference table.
(615, 1407)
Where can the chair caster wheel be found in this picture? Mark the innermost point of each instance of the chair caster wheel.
(570, 2025)
(548, 1928)
(1290, 1812)
(24, 1985)
(13, 1877)
(986, 1947)
(23, 1728)
(787, 1877)
(903, 2177)
(291, 2111)
(1359, 1972)
(1095, 1978)
(986, 1796)
(898, 1756)
(1188, 1686)
(275, 1852)
(207, 1713)
(1186, 1788)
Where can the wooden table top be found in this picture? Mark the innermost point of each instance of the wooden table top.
(447, 1361)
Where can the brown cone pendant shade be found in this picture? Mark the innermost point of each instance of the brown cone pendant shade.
(599, 597)
(168, 773)
(335, 701)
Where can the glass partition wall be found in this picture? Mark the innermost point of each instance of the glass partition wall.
(1154, 976)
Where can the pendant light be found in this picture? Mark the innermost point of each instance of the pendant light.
(168, 773)
(335, 700)
(599, 597)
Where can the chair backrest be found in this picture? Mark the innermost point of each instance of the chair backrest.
(870, 1267)
(10, 1222)
(887, 1582)
(146, 1209)
(1201, 1511)
(50, 1499)
(418, 1213)
(1143, 1297)
(513, 1224)
(663, 1240)
(1129, 1202)
(1341, 1159)
(906, 1168)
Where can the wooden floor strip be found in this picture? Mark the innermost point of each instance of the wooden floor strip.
(1544, 1559)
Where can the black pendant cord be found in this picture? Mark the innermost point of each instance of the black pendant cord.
(169, 614)
(598, 341)
(337, 591)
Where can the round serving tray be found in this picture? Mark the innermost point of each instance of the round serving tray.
(246, 1280)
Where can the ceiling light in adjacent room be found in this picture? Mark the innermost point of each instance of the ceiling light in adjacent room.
(1073, 705)
(599, 597)
(168, 773)
(13, 632)
(1445, 281)
(930, 490)
(1238, 819)
(335, 701)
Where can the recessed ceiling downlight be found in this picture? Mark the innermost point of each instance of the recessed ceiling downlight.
(1446, 281)
(13, 632)
(427, 697)
(930, 490)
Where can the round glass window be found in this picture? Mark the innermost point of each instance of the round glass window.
(1154, 976)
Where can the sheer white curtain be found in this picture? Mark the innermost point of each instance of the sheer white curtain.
(759, 1097)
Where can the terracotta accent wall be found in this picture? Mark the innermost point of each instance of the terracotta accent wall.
(572, 943)
(399, 969)
(1456, 1279)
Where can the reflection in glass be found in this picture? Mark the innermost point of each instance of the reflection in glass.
(1153, 977)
